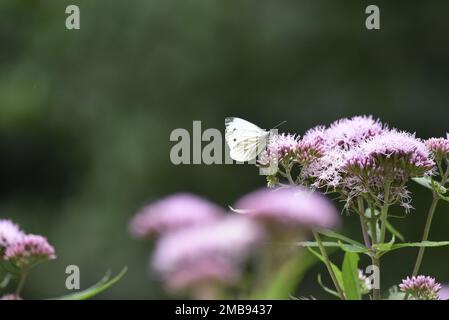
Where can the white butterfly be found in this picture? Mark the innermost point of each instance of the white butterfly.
(245, 140)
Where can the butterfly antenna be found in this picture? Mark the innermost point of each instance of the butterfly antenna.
(279, 124)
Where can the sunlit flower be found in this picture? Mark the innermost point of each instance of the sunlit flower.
(201, 254)
(421, 287)
(173, 212)
(9, 232)
(290, 207)
(29, 250)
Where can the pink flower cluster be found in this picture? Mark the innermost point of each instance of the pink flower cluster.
(421, 287)
(173, 212)
(290, 208)
(212, 247)
(23, 250)
(439, 147)
(359, 155)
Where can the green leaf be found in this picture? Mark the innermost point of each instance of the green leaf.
(383, 248)
(431, 184)
(335, 269)
(425, 244)
(284, 282)
(331, 244)
(426, 182)
(351, 276)
(328, 290)
(335, 235)
(395, 232)
(102, 285)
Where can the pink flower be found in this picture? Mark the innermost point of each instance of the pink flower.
(173, 212)
(312, 145)
(392, 157)
(444, 293)
(28, 250)
(211, 253)
(334, 142)
(439, 147)
(282, 147)
(346, 133)
(392, 152)
(9, 232)
(10, 297)
(421, 287)
(292, 207)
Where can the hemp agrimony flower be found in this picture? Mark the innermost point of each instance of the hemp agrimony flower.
(392, 158)
(205, 254)
(9, 233)
(173, 212)
(29, 250)
(290, 208)
(421, 287)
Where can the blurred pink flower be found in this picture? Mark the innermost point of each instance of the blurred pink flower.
(9, 232)
(444, 292)
(290, 207)
(173, 212)
(211, 253)
(10, 297)
(28, 250)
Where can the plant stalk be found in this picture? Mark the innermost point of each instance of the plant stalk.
(328, 265)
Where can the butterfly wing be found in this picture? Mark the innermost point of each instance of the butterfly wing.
(245, 140)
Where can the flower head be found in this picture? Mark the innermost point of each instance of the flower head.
(396, 153)
(334, 143)
(346, 133)
(292, 207)
(439, 147)
(282, 147)
(173, 212)
(9, 232)
(392, 158)
(312, 145)
(201, 254)
(421, 287)
(28, 250)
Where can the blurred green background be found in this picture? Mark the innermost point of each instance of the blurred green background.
(85, 115)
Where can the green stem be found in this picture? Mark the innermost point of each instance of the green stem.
(328, 265)
(363, 222)
(374, 259)
(384, 212)
(22, 279)
(425, 236)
